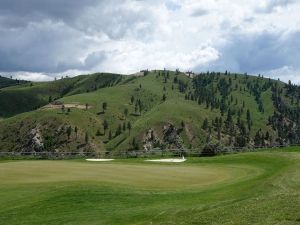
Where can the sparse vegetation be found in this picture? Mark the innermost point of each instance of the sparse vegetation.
(230, 109)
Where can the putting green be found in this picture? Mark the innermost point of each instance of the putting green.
(251, 188)
(149, 176)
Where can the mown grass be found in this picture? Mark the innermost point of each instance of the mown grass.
(264, 189)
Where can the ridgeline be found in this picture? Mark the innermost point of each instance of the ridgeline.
(156, 109)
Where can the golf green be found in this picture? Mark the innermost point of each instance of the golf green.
(249, 188)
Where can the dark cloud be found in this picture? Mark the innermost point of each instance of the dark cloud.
(44, 47)
(199, 12)
(52, 35)
(32, 10)
(114, 18)
(257, 53)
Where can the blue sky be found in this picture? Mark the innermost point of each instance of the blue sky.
(42, 39)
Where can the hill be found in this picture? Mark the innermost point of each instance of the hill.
(33, 95)
(7, 82)
(163, 109)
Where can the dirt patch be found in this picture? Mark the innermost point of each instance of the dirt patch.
(189, 132)
(69, 105)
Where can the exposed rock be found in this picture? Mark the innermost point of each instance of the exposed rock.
(169, 139)
(171, 136)
(151, 140)
(36, 140)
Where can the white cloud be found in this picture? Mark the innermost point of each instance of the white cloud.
(285, 73)
(30, 76)
(125, 36)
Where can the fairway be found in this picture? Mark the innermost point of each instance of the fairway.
(249, 188)
(134, 175)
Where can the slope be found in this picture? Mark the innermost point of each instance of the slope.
(30, 96)
(168, 109)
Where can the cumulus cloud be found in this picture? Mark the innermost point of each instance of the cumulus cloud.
(259, 52)
(199, 12)
(44, 39)
(270, 6)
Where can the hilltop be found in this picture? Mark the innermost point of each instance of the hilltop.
(7, 82)
(159, 109)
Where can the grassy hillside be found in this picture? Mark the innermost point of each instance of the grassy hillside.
(6, 82)
(164, 109)
(249, 188)
(31, 96)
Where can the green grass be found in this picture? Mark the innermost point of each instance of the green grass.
(249, 188)
(117, 91)
(30, 96)
(6, 82)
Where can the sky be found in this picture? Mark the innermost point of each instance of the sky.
(43, 39)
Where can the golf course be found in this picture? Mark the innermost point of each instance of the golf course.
(246, 188)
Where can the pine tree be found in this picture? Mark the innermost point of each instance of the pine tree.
(125, 112)
(98, 133)
(69, 131)
(76, 131)
(129, 127)
(205, 124)
(104, 106)
(105, 126)
(86, 138)
(249, 122)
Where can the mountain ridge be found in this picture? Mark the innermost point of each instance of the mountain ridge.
(162, 109)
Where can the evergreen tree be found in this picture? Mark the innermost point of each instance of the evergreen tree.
(98, 133)
(182, 124)
(129, 127)
(104, 106)
(257, 139)
(205, 124)
(105, 126)
(125, 112)
(76, 131)
(86, 138)
(135, 145)
(69, 131)
(249, 122)
(132, 99)
(136, 107)
(119, 130)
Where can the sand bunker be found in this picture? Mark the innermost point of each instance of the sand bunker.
(99, 160)
(167, 160)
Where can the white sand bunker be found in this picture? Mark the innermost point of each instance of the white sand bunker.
(167, 160)
(99, 160)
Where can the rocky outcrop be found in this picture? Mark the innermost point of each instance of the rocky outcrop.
(151, 140)
(36, 139)
(169, 138)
